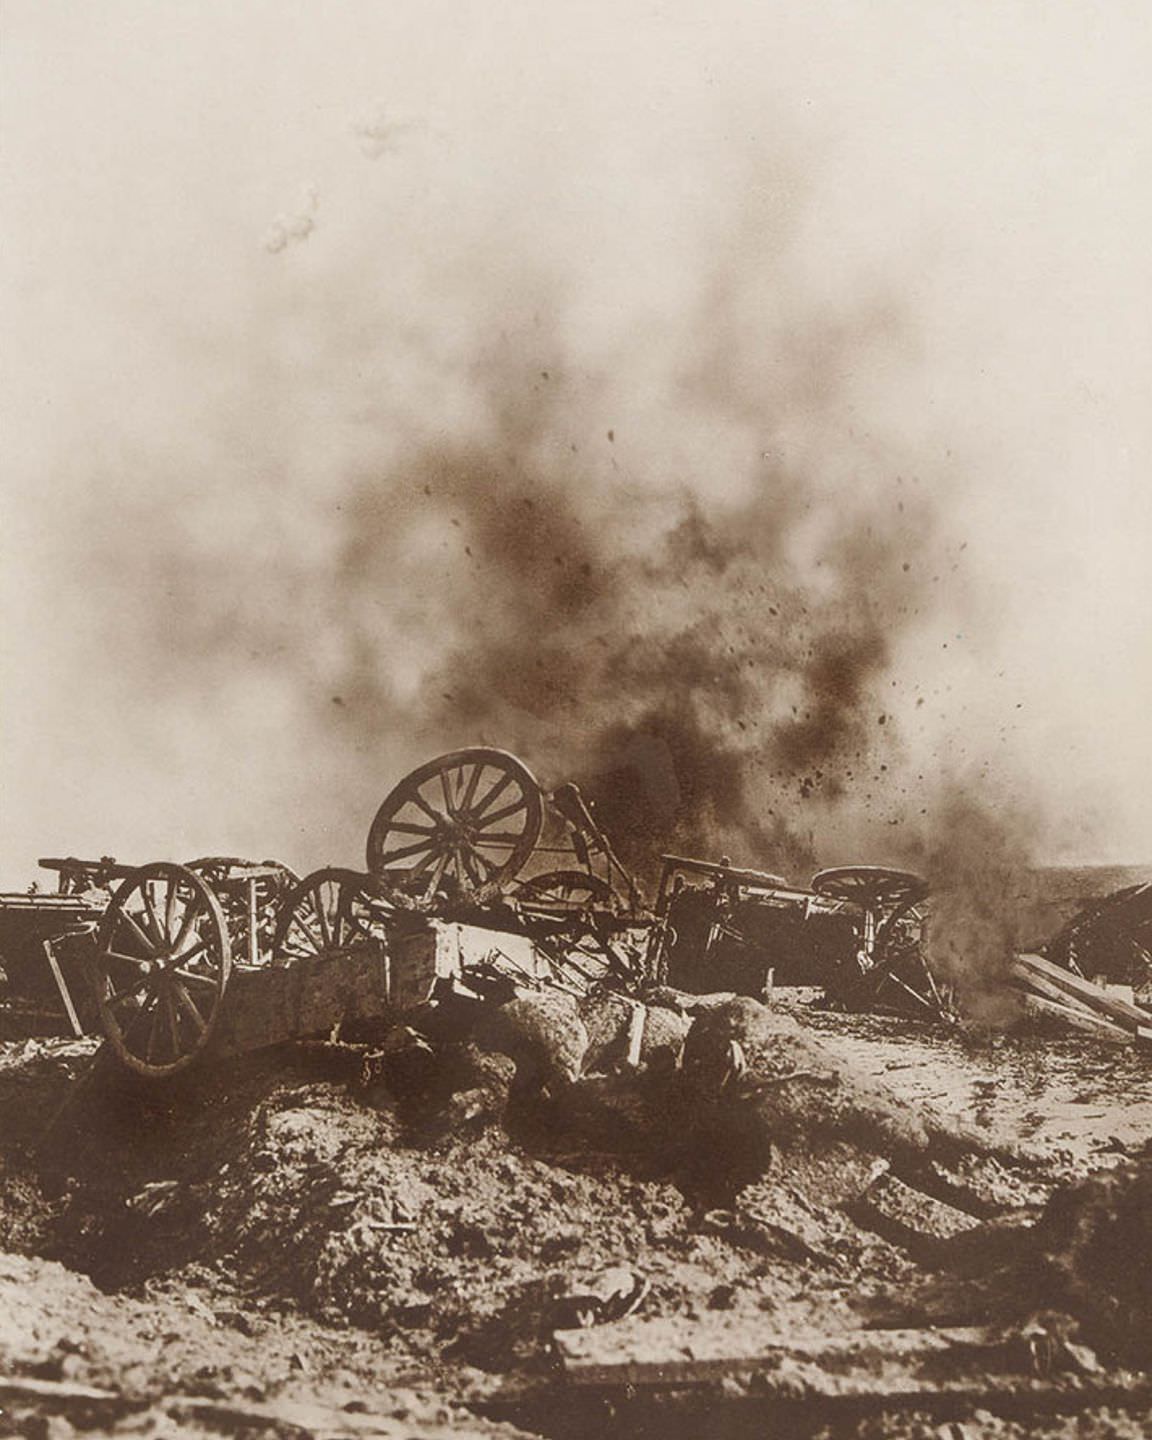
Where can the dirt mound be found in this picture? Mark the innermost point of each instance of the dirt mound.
(1096, 1238)
(451, 1228)
(452, 1201)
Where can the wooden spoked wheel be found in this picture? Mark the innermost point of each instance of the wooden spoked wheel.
(470, 818)
(162, 962)
(330, 912)
(564, 890)
(873, 886)
(250, 892)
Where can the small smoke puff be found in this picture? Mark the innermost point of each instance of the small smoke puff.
(382, 130)
(292, 227)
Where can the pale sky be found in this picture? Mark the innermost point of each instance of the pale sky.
(251, 249)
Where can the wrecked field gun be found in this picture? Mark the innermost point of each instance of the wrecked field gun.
(477, 883)
(857, 933)
(49, 941)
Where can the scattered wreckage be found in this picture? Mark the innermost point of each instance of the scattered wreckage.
(858, 933)
(478, 883)
(475, 882)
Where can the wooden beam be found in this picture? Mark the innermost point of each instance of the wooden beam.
(1029, 968)
(675, 1352)
(1037, 1007)
(65, 993)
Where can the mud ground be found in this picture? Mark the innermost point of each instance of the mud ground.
(285, 1245)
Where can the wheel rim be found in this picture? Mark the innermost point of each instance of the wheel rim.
(564, 890)
(330, 912)
(227, 876)
(870, 885)
(470, 818)
(162, 964)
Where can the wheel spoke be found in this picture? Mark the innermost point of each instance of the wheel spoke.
(173, 1027)
(131, 993)
(339, 923)
(419, 800)
(405, 827)
(145, 939)
(136, 960)
(488, 868)
(188, 1005)
(190, 977)
(318, 906)
(169, 910)
(503, 814)
(301, 922)
(502, 839)
(498, 789)
(187, 955)
(430, 856)
(405, 851)
(470, 788)
(187, 922)
(151, 919)
(438, 874)
(447, 793)
(150, 1046)
(134, 1023)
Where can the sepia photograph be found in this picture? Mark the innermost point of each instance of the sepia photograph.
(575, 673)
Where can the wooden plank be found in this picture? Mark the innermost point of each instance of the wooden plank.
(1030, 967)
(1085, 1021)
(273, 1003)
(1085, 991)
(1037, 985)
(29, 1387)
(65, 993)
(676, 1351)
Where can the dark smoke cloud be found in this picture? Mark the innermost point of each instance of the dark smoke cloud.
(713, 659)
(684, 573)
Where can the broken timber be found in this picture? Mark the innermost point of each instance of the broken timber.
(677, 1351)
(935, 1369)
(1036, 1007)
(1051, 992)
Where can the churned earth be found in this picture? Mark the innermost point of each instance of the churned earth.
(337, 1239)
